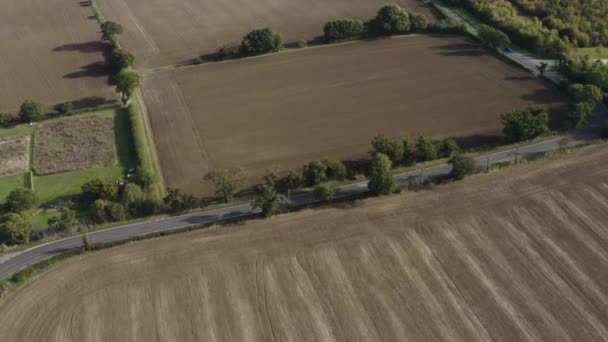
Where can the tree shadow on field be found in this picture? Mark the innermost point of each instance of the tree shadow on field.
(92, 102)
(85, 3)
(461, 49)
(97, 69)
(88, 47)
(520, 78)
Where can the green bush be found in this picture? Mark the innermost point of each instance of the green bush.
(462, 165)
(97, 189)
(6, 119)
(314, 173)
(381, 180)
(343, 29)
(426, 149)
(15, 228)
(325, 191)
(449, 147)
(21, 199)
(580, 114)
(521, 125)
(65, 108)
(262, 41)
(335, 169)
(585, 93)
(391, 19)
(30, 111)
(492, 37)
(392, 149)
(229, 51)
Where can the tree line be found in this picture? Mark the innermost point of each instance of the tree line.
(390, 20)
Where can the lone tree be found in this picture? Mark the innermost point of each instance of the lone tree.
(30, 111)
(258, 42)
(269, 200)
(177, 201)
(21, 199)
(492, 37)
(426, 149)
(109, 30)
(524, 124)
(227, 182)
(391, 19)
(126, 82)
(15, 228)
(462, 165)
(381, 180)
(97, 189)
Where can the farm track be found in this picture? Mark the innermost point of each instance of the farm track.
(516, 255)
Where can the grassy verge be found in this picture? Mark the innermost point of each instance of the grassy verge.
(144, 145)
(7, 184)
(593, 52)
(97, 12)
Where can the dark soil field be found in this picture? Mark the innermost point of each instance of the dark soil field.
(74, 144)
(162, 32)
(50, 53)
(284, 110)
(518, 255)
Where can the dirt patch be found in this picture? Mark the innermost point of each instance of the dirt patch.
(74, 144)
(14, 155)
(519, 255)
(284, 110)
(162, 32)
(50, 53)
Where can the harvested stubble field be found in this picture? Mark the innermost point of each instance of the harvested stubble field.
(51, 53)
(162, 32)
(74, 144)
(284, 110)
(519, 255)
(14, 155)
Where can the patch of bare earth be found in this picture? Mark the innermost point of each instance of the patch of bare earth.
(519, 255)
(14, 155)
(51, 52)
(284, 110)
(74, 144)
(162, 32)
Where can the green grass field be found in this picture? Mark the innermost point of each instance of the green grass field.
(593, 52)
(53, 187)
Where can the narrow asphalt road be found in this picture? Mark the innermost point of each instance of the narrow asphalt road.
(35, 254)
(30, 256)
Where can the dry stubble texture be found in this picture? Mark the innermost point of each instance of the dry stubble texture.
(14, 155)
(520, 255)
(282, 111)
(74, 144)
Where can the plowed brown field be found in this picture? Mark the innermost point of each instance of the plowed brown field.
(284, 110)
(163, 32)
(520, 255)
(51, 53)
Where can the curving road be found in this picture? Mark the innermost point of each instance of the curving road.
(41, 252)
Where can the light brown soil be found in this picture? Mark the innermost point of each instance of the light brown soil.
(284, 110)
(74, 144)
(519, 255)
(14, 155)
(163, 32)
(50, 53)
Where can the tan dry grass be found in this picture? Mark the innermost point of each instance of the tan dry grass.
(519, 255)
(14, 155)
(74, 144)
